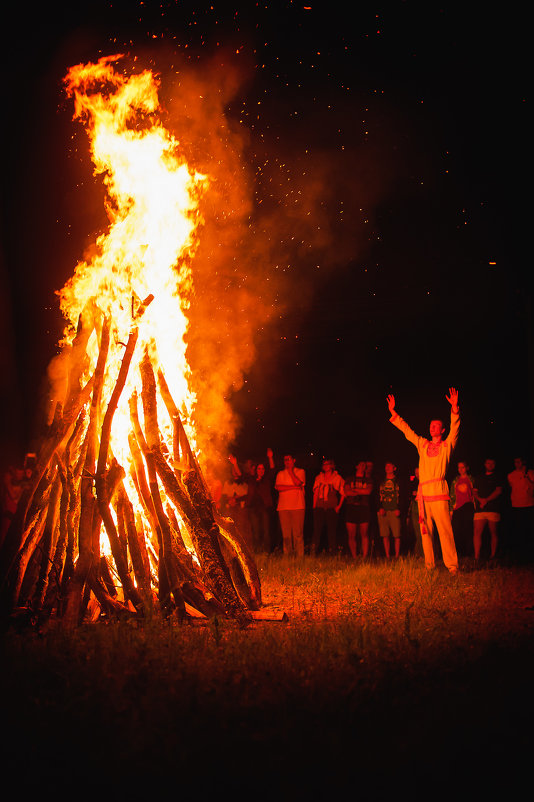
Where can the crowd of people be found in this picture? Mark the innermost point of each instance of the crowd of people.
(365, 515)
(368, 514)
(371, 514)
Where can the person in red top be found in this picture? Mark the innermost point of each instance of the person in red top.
(328, 494)
(462, 510)
(521, 483)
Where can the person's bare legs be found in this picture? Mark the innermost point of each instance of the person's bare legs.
(494, 538)
(478, 529)
(351, 538)
(364, 534)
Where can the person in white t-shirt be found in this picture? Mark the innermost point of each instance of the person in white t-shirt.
(290, 484)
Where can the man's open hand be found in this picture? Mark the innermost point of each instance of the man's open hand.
(452, 398)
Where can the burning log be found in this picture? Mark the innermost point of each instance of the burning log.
(204, 539)
(242, 565)
(103, 480)
(47, 542)
(33, 499)
(242, 562)
(13, 584)
(88, 505)
(135, 544)
(168, 583)
(182, 451)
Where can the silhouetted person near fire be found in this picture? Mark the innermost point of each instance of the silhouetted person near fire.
(12, 487)
(488, 495)
(357, 492)
(233, 498)
(462, 510)
(328, 494)
(433, 493)
(290, 484)
(373, 506)
(246, 475)
(389, 516)
(521, 483)
(259, 502)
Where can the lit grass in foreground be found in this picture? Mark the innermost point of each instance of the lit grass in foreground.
(338, 613)
(369, 653)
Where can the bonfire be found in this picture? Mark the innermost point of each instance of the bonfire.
(118, 519)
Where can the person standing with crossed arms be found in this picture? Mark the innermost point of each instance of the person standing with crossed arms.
(433, 493)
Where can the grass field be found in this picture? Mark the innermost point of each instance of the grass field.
(383, 679)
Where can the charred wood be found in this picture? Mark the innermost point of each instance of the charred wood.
(246, 571)
(87, 555)
(47, 543)
(136, 547)
(152, 442)
(105, 576)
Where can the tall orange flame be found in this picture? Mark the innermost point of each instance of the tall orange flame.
(153, 210)
(152, 205)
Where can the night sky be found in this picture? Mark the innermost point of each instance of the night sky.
(401, 125)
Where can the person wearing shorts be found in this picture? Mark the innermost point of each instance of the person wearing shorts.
(389, 511)
(487, 492)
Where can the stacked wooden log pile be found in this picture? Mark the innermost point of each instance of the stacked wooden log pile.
(177, 557)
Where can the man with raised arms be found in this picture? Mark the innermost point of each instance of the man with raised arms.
(433, 493)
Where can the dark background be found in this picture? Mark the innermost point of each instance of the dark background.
(414, 117)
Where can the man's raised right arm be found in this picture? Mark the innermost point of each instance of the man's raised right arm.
(401, 424)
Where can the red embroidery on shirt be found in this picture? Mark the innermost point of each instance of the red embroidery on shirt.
(433, 449)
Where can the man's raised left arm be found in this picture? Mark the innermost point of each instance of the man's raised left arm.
(452, 398)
